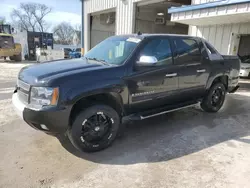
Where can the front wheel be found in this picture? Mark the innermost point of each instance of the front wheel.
(95, 128)
(215, 98)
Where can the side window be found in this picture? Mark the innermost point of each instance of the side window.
(160, 49)
(187, 50)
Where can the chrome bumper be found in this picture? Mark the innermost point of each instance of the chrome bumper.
(18, 105)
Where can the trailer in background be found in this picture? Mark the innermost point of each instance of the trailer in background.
(33, 40)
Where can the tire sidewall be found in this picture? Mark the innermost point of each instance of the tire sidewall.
(76, 130)
(207, 106)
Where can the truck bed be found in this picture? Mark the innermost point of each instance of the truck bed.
(230, 57)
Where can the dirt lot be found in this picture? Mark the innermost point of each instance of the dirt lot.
(188, 148)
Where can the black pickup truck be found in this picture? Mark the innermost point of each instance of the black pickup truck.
(129, 77)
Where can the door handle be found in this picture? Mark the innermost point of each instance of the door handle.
(201, 70)
(171, 75)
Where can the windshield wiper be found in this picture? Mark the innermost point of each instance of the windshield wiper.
(99, 60)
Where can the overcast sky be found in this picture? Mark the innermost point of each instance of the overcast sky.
(63, 10)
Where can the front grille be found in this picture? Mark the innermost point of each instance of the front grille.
(23, 85)
(23, 91)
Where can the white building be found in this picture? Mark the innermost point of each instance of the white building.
(225, 23)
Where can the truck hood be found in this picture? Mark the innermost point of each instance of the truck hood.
(36, 73)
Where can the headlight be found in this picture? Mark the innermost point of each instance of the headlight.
(44, 96)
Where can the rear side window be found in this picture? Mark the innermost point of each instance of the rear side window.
(159, 48)
(187, 50)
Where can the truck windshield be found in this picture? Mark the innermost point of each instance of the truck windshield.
(6, 42)
(114, 50)
(5, 29)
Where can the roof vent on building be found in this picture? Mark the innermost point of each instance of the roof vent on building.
(159, 20)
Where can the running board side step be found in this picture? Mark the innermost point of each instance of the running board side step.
(158, 111)
(167, 111)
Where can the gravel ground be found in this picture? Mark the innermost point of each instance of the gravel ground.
(188, 148)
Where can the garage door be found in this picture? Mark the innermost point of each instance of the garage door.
(154, 18)
(244, 48)
(102, 27)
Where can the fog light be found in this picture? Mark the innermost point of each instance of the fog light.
(44, 127)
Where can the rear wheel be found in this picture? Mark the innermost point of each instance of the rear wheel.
(12, 58)
(215, 98)
(95, 128)
(18, 57)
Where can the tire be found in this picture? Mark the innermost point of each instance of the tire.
(12, 58)
(18, 57)
(209, 103)
(84, 127)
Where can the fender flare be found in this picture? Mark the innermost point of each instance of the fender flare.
(213, 78)
(112, 91)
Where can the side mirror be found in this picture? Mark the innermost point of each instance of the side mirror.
(147, 61)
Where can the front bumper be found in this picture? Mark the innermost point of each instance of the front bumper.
(52, 120)
(244, 72)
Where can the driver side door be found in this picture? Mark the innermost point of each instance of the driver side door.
(155, 84)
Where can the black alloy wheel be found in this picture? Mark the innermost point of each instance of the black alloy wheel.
(95, 128)
(215, 98)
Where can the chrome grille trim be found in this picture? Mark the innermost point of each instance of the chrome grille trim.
(23, 91)
(23, 97)
(23, 85)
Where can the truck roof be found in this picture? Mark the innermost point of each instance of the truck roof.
(146, 35)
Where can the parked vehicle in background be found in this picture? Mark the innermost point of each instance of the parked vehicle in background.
(245, 68)
(66, 52)
(76, 53)
(8, 48)
(124, 78)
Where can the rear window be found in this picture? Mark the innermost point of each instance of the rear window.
(68, 49)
